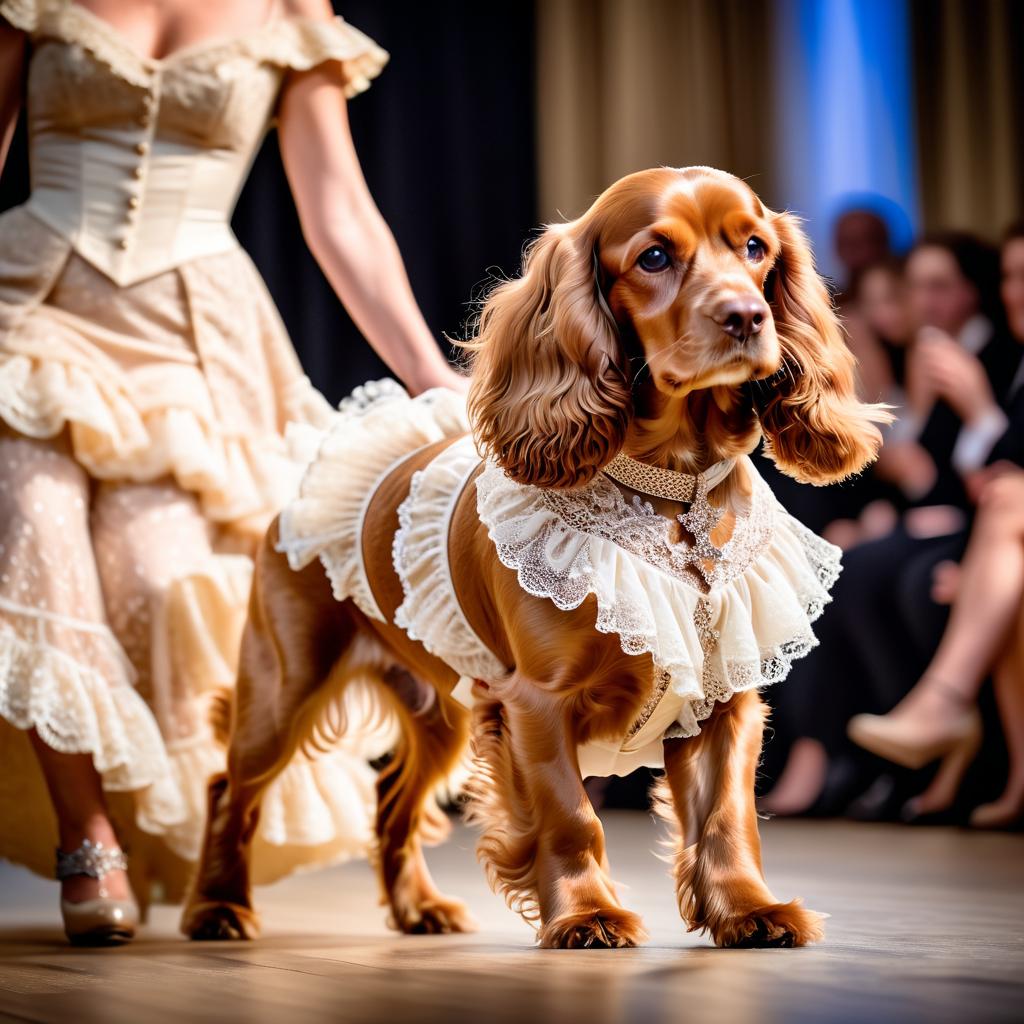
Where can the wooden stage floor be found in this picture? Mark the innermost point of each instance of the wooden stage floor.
(927, 925)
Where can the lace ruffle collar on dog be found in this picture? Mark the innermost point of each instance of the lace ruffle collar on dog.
(599, 510)
(707, 641)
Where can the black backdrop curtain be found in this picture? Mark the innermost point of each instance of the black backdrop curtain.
(446, 139)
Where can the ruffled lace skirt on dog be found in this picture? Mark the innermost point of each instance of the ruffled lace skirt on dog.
(707, 639)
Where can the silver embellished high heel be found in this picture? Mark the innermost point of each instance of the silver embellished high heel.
(102, 921)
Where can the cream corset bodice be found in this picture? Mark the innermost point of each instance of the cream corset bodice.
(138, 162)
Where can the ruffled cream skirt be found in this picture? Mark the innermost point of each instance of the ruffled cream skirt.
(142, 454)
(740, 630)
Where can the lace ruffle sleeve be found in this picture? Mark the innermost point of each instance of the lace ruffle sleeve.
(305, 43)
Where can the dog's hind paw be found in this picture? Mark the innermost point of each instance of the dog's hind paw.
(608, 928)
(219, 921)
(780, 926)
(439, 916)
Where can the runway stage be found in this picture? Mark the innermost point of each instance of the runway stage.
(927, 925)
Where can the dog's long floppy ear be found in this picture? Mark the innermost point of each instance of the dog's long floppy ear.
(550, 397)
(817, 430)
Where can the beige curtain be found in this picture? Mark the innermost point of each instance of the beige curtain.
(969, 72)
(628, 84)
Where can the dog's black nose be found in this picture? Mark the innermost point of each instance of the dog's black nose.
(741, 318)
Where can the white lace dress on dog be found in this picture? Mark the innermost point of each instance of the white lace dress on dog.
(707, 638)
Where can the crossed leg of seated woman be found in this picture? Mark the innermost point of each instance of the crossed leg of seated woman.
(1009, 686)
(938, 718)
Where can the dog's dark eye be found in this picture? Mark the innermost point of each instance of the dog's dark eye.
(654, 259)
(756, 250)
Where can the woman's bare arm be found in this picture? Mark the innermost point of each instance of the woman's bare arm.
(12, 66)
(346, 232)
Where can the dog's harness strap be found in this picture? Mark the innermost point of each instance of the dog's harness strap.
(364, 597)
(430, 610)
(447, 530)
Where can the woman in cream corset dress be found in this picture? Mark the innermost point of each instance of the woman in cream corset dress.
(145, 384)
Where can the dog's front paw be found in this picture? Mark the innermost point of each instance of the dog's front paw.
(607, 928)
(219, 921)
(780, 925)
(439, 916)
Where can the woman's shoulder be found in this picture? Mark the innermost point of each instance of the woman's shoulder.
(23, 14)
(311, 34)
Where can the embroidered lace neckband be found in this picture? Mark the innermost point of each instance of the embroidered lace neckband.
(666, 483)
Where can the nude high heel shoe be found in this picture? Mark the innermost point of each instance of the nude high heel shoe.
(102, 921)
(897, 736)
(1006, 812)
(942, 790)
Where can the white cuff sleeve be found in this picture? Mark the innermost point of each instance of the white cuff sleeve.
(906, 427)
(976, 439)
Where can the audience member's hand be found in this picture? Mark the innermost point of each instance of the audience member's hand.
(953, 374)
(977, 481)
(844, 533)
(945, 582)
(933, 521)
(909, 466)
(878, 519)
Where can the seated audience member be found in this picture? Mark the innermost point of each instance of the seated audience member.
(861, 240)
(985, 633)
(960, 364)
(883, 627)
(880, 330)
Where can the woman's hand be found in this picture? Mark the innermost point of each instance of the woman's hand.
(953, 374)
(909, 466)
(445, 377)
(945, 582)
(344, 229)
(978, 481)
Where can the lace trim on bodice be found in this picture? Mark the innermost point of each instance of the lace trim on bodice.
(296, 42)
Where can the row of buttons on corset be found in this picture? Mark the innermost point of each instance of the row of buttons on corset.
(134, 201)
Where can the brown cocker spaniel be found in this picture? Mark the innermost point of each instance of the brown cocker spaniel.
(678, 321)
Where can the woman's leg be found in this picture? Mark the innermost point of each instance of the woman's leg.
(148, 538)
(1009, 686)
(989, 595)
(51, 607)
(178, 609)
(77, 793)
(938, 718)
(827, 686)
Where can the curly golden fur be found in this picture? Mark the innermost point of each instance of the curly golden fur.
(677, 320)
